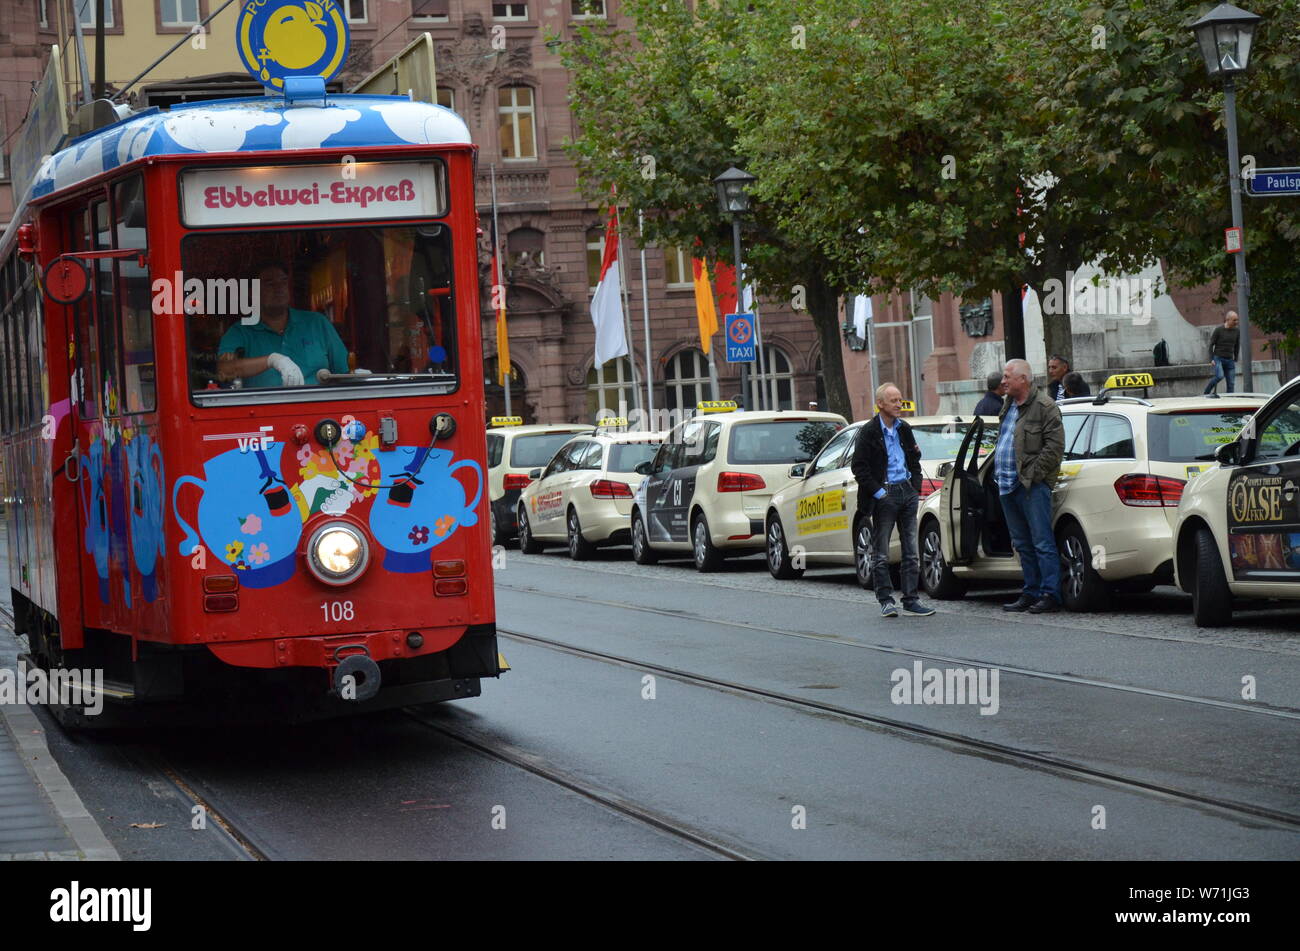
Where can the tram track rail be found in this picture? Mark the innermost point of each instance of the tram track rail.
(610, 800)
(1256, 709)
(956, 742)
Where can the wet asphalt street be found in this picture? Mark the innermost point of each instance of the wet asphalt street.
(659, 713)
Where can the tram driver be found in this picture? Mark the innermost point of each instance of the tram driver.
(286, 347)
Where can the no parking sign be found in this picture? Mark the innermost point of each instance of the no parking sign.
(740, 338)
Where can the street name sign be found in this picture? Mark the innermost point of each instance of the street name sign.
(1267, 182)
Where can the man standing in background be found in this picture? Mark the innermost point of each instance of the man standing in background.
(1224, 345)
(990, 403)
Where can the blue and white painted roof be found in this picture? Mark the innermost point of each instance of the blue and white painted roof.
(251, 125)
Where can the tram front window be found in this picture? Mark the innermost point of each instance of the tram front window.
(287, 314)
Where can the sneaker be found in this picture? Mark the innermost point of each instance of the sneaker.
(888, 609)
(914, 608)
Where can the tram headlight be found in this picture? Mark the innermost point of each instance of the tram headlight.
(338, 553)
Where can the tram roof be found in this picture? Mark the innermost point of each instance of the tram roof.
(257, 124)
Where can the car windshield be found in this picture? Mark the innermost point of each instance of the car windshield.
(535, 451)
(1192, 436)
(942, 440)
(300, 314)
(779, 442)
(625, 457)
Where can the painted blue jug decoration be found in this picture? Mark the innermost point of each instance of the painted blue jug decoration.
(94, 512)
(421, 504)
(145, 468)
(246, 516)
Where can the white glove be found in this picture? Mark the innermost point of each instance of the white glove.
(289, 372)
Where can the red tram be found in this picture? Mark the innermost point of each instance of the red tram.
(242, 407)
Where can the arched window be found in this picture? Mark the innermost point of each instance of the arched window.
(686, 379)
(779, 369)
(516, 123)
(494, 394)
(616, 391)
(523, 241)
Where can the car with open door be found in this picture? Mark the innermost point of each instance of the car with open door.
(1127, 461)
(1238, 531)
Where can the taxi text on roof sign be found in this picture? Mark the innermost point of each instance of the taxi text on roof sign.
(716, 406)
(1122, 381)
(611, 421)
(506, 421)
(908, 406)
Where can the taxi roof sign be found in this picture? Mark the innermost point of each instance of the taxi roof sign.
(507, 421)
(1128, 381)
(908, 406)
(610, 422)
(716, 406)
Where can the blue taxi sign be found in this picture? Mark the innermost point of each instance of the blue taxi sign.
(740, 338)
(282, 39)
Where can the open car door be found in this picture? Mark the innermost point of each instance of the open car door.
(962, 500)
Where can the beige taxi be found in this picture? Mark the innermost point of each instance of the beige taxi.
(1238, 530)
(707, 490)
(513, 451)
(1127, 461)
(584, 495)
(815, 519)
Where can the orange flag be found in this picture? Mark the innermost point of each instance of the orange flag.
(704, 309)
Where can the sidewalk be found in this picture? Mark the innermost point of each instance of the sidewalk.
(41, 815)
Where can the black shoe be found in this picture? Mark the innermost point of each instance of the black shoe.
(1045, 606)
(1020, 604)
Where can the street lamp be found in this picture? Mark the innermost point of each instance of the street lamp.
(1226, 35)
(733, 199)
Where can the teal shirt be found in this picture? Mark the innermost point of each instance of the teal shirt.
(309, 340)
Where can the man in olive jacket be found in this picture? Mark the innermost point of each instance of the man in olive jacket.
(1027, 462)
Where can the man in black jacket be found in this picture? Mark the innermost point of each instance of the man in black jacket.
(887, 465)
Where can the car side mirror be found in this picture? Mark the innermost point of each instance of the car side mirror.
(1227, 454)
(945, 470)
(535, 474)
(643, 468)
(797, 470)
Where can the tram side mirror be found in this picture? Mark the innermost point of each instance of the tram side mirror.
(534, 474)
(1228, 453)
(797, 471)
(644, 468)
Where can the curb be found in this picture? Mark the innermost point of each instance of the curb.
(29, 737)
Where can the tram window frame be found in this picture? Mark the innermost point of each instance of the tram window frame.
(132, 185)
(18, 360)
(40, 397)
(6, 318)
(85, 322)
(257, 395)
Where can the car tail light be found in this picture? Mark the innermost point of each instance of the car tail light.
(515, 480)
(1149, 490)
(740, 482)
(929, 486)
(609, 489)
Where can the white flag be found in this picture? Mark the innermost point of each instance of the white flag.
(607, 304)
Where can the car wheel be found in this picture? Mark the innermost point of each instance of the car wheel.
(778, 555)
(1211, 596)
(497, 537)
(579, 548)
(1082, 589)
(642, 553)
(863, 546)
(527, 543)
(937, 577)
(707, 557)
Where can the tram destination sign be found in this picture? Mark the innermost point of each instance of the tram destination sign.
(1267, 182)
(214, 197)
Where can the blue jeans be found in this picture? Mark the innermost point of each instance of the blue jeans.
(1223, 369)
(897, 508)
(1029, 520)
